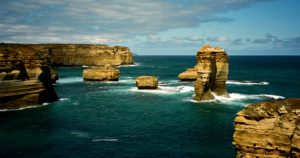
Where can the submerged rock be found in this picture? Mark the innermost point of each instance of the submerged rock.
(212, 73)
(268, 129)
(146, 82)
(104, 73)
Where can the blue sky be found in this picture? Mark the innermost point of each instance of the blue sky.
(157, 27)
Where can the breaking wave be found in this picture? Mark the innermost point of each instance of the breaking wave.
(241, 97)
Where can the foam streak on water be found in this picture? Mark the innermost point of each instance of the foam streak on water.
(165, 90)
(247, 83)
(68, 80)
(237, 97)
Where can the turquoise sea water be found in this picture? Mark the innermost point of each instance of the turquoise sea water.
(114, 119)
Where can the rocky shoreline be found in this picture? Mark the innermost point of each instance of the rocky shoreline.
(27, 74)
(268, 129)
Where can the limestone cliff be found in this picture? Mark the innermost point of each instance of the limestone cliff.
(268, 129)
(86, 54)
(189, 75)
(212, 73)
(26, 77)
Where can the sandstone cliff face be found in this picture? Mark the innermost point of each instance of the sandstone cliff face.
(104, 73)
(268, 129)
(212, 73)
(26, 77)
(86, 54)
(189, 75)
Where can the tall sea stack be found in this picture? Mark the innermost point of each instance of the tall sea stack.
(212, 73)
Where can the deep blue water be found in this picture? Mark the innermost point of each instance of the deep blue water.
(114, 119)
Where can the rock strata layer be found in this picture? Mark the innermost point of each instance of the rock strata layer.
(147, 82)
(212, 73)
(26, 77)
(81, 54)
(104, 73)
(189, 75)
(87, 54)
(268, 129)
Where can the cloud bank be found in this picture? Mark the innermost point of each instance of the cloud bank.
(99, 21)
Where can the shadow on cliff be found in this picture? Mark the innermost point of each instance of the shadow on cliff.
(49, 94)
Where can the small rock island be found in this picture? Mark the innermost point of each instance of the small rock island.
(101, 73)
(147, 82)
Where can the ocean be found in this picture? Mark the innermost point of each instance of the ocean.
(114, 119)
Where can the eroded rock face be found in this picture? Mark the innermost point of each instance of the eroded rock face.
(146, 82)
(212, 73)
(189, 75)
(87, 54)
(268, 129)
(26, 77)
(104, 73)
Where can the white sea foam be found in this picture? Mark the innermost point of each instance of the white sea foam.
(64, 99)
(233, 97)
(133, 65)
(234, 82)
(85, 66)
(165, 90)
(80, 134)
(24, 108)
(68, 80)
(125, 80)
(105, 140)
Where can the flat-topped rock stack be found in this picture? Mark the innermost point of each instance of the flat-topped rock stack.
(146, 82)
(268, 129)
(101, 73)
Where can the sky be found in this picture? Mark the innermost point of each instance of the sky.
(157, 27)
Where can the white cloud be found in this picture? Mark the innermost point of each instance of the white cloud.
(108, 21)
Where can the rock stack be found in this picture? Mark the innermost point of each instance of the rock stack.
(212, 73)
(268, 129)
(101, 73)
(146, 82)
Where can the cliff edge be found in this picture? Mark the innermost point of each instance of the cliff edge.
(26, 77)
(268, 129)
(86, 54)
